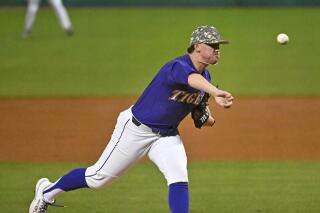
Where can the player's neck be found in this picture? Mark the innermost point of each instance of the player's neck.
(197, 63)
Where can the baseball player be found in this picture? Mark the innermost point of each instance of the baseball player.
(150, 126)
(59, 9)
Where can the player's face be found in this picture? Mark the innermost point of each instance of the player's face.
(210, 53)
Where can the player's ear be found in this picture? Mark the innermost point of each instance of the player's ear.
(197, 48)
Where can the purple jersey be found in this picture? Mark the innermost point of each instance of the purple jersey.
(168, 99)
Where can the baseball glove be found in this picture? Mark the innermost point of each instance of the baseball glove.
(200, 114)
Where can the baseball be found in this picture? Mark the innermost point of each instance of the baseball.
(282, 38)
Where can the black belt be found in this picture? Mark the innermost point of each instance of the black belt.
(162, 133)
(135, 121)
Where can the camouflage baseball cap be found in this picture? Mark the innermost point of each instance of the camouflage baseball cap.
(206, 34)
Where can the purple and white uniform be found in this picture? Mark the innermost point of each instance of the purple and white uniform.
(150, 127)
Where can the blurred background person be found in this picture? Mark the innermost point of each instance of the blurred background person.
(59, 9)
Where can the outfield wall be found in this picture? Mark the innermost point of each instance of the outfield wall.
(178, 2)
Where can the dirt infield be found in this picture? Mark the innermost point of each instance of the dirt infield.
(40, 130)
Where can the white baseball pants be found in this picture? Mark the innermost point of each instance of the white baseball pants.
(60, 10)
(128, 144)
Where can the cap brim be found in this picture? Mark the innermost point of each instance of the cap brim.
(223, 42)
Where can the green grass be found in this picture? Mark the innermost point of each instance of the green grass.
(117, 51)
(224, 187)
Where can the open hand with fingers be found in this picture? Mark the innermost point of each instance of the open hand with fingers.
(223, 98)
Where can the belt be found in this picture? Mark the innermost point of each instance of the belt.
(162, 133)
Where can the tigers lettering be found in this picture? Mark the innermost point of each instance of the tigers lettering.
(185, 97)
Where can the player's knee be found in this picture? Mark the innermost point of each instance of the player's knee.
(99, 180)
(33, 8)
(55, 3)
(179, 175)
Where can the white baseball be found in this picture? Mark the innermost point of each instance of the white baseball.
(282, 38)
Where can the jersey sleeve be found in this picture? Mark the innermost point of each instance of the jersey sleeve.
(207, 75)
(180, 73)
